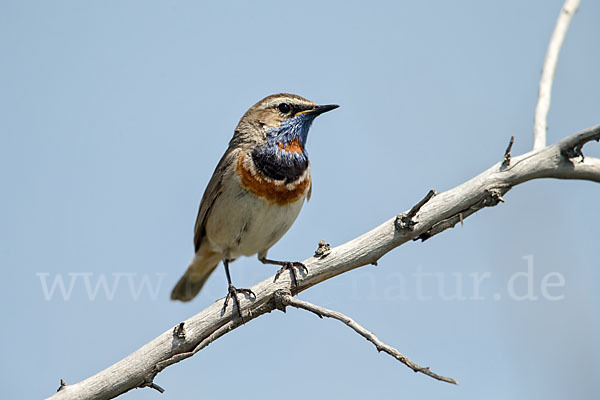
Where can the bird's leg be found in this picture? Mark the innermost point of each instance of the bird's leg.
(286, 265)
(232, 291)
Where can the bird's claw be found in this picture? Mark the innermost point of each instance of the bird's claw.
(291, 266)
(232, 292)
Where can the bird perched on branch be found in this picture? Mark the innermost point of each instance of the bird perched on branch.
(255, 193)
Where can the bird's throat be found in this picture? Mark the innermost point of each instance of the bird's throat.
(281, 161)
(292, 146)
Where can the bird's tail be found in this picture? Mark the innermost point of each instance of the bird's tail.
(203, 264)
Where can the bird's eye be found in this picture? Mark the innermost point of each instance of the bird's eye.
(284, 108)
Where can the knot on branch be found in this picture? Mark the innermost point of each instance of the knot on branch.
(323, 250)
(573, 148)
(280, 299)
(405, 221)
(573, 152)
(494, 196)
(179, 331)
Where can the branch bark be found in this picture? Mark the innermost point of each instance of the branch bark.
(562, 160)
(540, 124)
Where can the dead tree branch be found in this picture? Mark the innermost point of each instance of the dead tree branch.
(286, 299)
(561, 161)
(540, 123)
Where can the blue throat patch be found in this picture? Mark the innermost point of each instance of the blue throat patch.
(290, 129)
(273, 160)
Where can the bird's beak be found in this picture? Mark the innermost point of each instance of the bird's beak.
(318, 110)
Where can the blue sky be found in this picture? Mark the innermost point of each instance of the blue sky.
(113, 116)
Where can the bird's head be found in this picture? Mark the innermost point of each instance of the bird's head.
(280, 120)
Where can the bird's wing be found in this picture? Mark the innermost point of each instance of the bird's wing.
(212, 193)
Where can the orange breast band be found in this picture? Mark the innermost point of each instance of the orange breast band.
(277, 192)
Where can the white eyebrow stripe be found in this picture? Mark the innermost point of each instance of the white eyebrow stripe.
(273, 102)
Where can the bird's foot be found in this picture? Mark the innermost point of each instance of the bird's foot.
(291, 266)
(232, 292)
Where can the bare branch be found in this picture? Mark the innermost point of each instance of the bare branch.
(439, 213)
(287, 300)
(540, 124)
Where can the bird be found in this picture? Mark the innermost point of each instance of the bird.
(255, 193)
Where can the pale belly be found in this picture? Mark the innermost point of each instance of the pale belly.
(241, 223)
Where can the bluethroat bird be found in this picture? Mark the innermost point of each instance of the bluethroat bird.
(255, 193)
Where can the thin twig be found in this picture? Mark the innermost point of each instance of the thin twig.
(540, 124)
(63, 385)
(405, 220)
(413, 211)
(506, 160)
(288, 300)
(154, 386)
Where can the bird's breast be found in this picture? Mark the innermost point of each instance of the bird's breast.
(293, 185)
